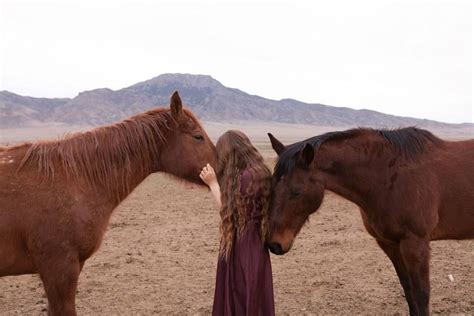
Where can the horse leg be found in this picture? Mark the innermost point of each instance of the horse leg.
(392, 250)
(60, 276)
(415, 252)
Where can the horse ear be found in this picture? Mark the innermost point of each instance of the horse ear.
(176, 105)
(276, 144)
(308, 154)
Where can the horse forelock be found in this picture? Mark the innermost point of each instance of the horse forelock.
(193, 117)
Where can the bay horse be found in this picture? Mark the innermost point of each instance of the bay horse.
(411, 188)
(56, 197)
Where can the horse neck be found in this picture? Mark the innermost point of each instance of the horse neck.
(112, 160)
(125, 174)
(134, 155)
(354, 174)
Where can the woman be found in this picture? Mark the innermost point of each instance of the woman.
(241, 187)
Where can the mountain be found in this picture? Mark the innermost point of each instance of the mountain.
(20, 111)
(207, 97)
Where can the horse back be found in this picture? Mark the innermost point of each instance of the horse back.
(10, 159)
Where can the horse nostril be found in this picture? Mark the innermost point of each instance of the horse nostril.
(275, 248)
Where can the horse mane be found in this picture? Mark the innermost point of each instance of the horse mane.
(410, 142)
(103, 156)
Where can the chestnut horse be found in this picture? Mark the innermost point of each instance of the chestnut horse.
(411, 187)
(56, 197)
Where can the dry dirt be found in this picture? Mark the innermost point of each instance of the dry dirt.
(159, 256)
(160, 251)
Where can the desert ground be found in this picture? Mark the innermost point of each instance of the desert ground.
(160, 251)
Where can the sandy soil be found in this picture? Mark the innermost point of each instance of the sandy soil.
(159, 256)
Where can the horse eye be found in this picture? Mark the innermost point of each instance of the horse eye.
(198, 137)
(295, 193)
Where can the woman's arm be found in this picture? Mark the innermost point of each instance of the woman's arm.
(209, 177)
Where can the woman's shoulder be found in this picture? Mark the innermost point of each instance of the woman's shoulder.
(246, 174)
(245, 180)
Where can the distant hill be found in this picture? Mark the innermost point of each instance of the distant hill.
(207, 97)
(20, 111)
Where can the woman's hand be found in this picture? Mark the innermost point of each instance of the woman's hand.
(208, 175)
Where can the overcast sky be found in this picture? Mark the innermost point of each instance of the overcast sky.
(410, 58)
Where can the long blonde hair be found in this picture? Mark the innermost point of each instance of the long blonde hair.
(235, 153)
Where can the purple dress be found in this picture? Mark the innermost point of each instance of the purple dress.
(244, 284)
